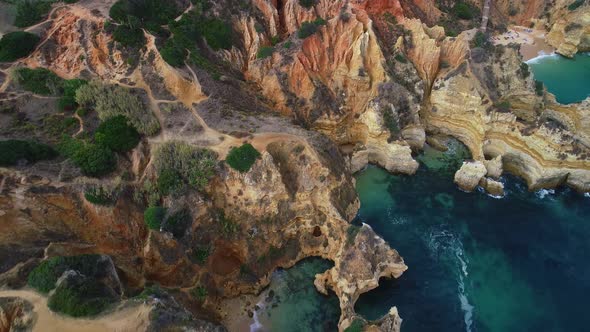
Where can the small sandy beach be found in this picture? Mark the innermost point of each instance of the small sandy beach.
(532, 42)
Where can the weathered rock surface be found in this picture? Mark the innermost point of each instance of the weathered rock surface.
(16, 314)
(469, 175)
(570, 33)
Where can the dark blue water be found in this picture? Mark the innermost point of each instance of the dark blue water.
(476, 263)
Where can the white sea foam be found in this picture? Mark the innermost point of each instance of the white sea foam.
(445, 243)
(257, 326)
(544, 193)
(542, 55)
(587, 195)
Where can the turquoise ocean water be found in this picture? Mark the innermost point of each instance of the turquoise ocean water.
(567, 79)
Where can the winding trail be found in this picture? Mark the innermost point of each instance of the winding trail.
(485, 15)
(131, 318)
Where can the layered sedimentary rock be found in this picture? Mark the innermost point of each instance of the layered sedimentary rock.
(570, 30)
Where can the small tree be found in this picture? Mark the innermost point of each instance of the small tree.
(242, 158)
(153, 217)
(16, 45)
(117, 134)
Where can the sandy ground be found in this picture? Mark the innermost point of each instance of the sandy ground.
(532, 42)
(134, 318)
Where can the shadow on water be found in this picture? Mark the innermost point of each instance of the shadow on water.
(477, 263)
(292, 304)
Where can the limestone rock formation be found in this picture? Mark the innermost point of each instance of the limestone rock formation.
(570, 33)
(469, 175)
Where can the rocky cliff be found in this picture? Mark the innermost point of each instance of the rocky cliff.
(319, 92)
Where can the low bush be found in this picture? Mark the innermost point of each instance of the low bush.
(242, 158)
(199, 293)
(356, 326)
(217, 33)
(576, 4)
(539, 88)
(463, 11)
(195, 166)
(147, 12)
(129, 36)
(524, 70)
(153, 217)
(177, 223)
(401, 58)
(117, 134)
(265, 51)
(93, 159)
(174, 53)
(86, 297)
(201, 254)
(309, 28)
(113, 100)
(100, 195)
(170, 182)
(40, 81)
(14, 151)
(307, 3)
(45, 275)
(16, 45)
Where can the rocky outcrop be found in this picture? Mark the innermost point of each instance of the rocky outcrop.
(469, 175)
(545, 143)
(360, 264)
(16, 314)
(570, 32)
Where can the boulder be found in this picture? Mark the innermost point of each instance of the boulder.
(469, 175)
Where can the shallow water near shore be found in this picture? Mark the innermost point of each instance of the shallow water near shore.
(478, 263)
(567, 79)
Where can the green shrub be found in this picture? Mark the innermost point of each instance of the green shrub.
(147, 12)
(576, 4)
(151, 291)
(199, 293)
(539, 88)
(56, 125)
(288, 44)
(174, 53)
(40, 81)
(524, 70)
(228, 226)
(177, 223)
(129, 36)
(309, 28)
(265, 51)
(201, 254)
(16, 45)
(117, 134)
(153, 217)
(463, 11)
(401, 58)
(170, 182)
(196, 166)
(481, 40)
(242, 158)
(30, 12)
(85, 298)
(93, 159)
(43, 277)
(13, 151)
(356, 326)
(217, 33)
(101, 195)
(503, 106)
(112, 100)
(307, 3)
